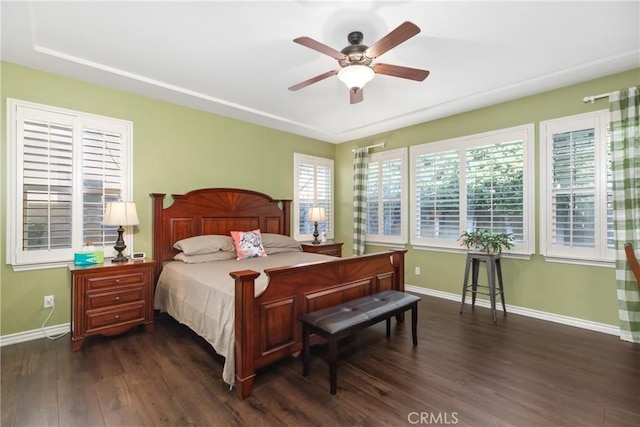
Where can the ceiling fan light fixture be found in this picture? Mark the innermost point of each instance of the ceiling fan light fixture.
(355, 76)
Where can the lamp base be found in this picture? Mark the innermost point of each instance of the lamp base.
(119, 247)
(119, 258)
(315, 234)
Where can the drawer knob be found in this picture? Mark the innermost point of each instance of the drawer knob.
(117, 280)
(117, 316)
(117, 298)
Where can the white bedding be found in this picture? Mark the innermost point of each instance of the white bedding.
(201, 296)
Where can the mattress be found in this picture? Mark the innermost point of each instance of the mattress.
(201, 296)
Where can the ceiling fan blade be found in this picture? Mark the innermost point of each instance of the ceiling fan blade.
(402, 72)
(313, 80)
(404, 32)
(322, 48)
(355, 95)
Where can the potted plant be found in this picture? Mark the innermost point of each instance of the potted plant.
(485, 241)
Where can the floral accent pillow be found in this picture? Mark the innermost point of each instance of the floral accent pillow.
(248, 244)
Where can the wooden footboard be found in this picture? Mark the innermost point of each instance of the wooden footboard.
(267, 327)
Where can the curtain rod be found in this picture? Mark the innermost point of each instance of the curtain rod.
(381, 144)
(593, 98)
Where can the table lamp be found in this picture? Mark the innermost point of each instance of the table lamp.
(315, 215)
(120, 214)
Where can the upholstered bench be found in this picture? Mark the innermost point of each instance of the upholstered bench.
(340, 321)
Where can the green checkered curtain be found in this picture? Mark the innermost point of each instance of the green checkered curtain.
(360, 171)
(624, 109)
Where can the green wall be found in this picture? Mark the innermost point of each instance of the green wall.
(176, 149)
(571, 290)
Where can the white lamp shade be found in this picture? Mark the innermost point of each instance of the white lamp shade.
(120, 213)
(356, 76)
(317, 214)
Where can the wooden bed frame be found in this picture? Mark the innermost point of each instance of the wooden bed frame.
(267, 327)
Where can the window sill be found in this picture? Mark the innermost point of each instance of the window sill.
(576, 261)
(509, 255)
(41, 266)
(387, 245)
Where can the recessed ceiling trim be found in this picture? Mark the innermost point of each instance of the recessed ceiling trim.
(168, 86)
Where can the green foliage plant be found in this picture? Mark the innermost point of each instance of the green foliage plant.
(483, 240)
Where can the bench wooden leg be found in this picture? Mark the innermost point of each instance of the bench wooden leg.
(333, 364)
(414, 324)
(306, 351)
(388, 327)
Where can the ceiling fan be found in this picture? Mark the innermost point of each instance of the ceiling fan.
(355, 60)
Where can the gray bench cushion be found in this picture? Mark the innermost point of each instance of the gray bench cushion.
(359, 311)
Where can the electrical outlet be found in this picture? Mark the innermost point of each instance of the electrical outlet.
(417, 271)
(48, 301)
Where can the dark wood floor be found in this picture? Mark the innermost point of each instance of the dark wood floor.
(466, 370)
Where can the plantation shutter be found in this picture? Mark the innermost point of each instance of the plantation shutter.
(573, 188)
(437, 195)
(386, 197)
(102, 182)
(495, 188)
(373, 198)
(314, 189)
(611, 242)
(45, 155)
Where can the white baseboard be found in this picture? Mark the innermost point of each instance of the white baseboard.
(551, 317)
(36, 334)
(56, 330)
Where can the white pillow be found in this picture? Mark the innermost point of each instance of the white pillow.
(277, 243)
(205, 244)
(195, 259)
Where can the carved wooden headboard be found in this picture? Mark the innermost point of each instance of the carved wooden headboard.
(214, 211)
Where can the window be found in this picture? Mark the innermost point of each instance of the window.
(313, 187)
(576, 209)
(480, 181)
(387, 197)
(63, 167)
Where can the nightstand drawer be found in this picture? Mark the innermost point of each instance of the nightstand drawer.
(329, 251)
(325, 248)
(110, 299)
(109, 281)
(102, 319)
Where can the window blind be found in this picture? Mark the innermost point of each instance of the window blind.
(102, 182)
(495, 189)
(573, 188)
(314, 189)
(386, 197)
(437, 195)
(47, 185)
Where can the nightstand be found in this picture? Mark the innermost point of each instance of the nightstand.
(110, 298)
(326, 248)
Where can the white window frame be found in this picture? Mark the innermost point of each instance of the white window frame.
(299, 159)
(600, 254)
(526, 133)
(381, 238)
(35, 260)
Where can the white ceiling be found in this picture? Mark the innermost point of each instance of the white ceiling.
(237, 59)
